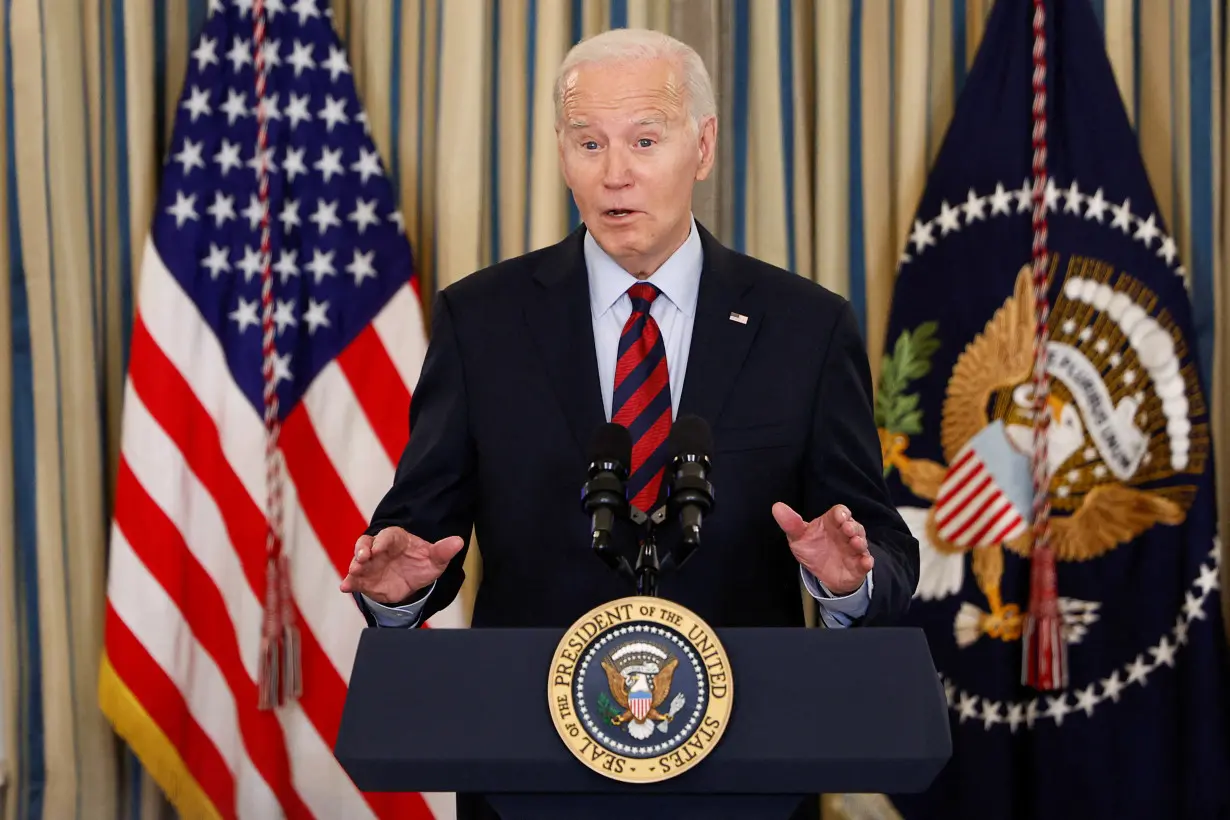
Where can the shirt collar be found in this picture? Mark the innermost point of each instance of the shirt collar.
(678, 279)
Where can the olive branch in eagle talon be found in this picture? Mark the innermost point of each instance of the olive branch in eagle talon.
(897, 414)
(607, 709)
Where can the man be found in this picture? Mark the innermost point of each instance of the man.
(530, 356)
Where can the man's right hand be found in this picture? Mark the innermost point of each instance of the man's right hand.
(395, 564)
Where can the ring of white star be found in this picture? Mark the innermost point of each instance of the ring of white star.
(1008, 202)
(1076, 204)
(969, 706)
(697, 708)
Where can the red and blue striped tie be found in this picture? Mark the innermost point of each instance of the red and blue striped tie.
(642, 397)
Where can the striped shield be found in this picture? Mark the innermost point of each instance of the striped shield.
(984, 498)
(639, 702)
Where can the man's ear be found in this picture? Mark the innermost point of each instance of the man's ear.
(706, 145)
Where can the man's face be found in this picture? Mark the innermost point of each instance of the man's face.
(631, 158)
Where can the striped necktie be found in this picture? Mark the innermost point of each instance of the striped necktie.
(642, 397)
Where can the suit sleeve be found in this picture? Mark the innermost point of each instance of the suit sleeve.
(433, 491)
(845, 467)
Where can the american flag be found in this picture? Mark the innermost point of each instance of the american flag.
(187, 579)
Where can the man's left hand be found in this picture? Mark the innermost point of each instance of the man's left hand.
(832, 547)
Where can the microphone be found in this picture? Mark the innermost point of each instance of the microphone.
(691, 493)
(604, 495)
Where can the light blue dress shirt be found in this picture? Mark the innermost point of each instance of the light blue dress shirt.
(675, 312)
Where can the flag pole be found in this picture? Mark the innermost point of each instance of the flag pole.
(1044, 665)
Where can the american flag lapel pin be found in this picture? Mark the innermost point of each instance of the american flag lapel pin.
(738, 317)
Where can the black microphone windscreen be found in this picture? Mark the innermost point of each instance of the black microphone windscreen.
(690, 435)
(611, 442)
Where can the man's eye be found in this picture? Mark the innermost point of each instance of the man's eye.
(590, 145)
(645, 142)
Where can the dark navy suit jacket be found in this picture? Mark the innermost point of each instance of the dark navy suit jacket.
(508, 400)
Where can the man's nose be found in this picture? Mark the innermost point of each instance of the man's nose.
(618, 171)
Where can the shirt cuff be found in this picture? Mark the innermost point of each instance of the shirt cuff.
(396, 616)
(839, 611)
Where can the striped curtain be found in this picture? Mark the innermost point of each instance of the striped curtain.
(831, 111)
(458, 94)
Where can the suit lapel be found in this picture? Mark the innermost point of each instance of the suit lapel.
(558, 319)
(720, 343)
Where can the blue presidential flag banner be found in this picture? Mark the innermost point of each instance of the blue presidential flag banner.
(1133, 722)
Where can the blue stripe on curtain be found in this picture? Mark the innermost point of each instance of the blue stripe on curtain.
(531, 46)
(160, 75)
(892, 92)
(619, 13)
(785, 52)
(104, 271)
(493, 156)
(741, 82)
(30, 763)
(198, 10)
(857, 250)
(1136, 64)
(575, 32)
(91, 217)
(136, 774)
(419, 120)
(435, 225)
(930, 83)
(958, 47)
(1174, 117)
(119, 116)
(1200, 75)
(395, 100)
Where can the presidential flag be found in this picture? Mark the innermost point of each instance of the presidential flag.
(1064, 501)
(277, 339)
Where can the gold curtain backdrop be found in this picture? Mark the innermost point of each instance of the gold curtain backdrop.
(831, 112)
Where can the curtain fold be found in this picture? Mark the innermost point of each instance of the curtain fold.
(54, 182)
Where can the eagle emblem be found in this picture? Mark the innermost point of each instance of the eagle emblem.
(639, 676)
(1120, 405)
(614, 671)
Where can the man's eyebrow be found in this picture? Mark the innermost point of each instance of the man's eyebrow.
(648, 119)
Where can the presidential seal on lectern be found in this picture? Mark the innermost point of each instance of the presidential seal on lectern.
(640, 689)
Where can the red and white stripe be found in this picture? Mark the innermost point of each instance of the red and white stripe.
(187, 566)
(1044, 663)
(971, 509)
(639, 703)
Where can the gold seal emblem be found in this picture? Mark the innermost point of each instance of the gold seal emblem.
(1123, 447)
(640, 689)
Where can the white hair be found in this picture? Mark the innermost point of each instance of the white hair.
(623, 44)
